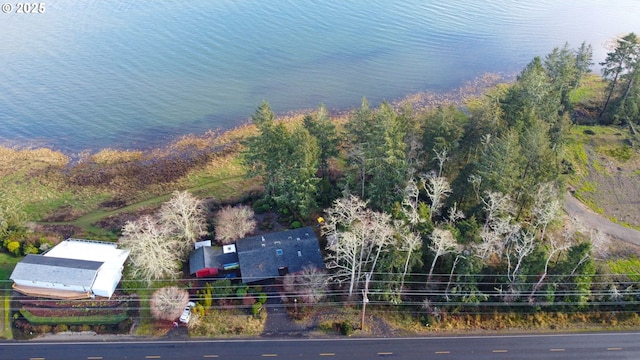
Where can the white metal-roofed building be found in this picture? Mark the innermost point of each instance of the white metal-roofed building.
(72, 269)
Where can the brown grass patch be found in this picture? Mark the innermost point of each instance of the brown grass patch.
(110, 156)
(12, 160)
(229, 323)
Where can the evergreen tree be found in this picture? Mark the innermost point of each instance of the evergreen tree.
(584, 61)
(561, 67)
(443, 128)
(378, 154)
(324, 131)
(286, 161)
(619, 66)
(531, 98)
(499, 167)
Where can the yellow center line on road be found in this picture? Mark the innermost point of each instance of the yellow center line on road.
(385, 353)
(327, 354)
(269, 355)
(94, 358)
(613, 349)
(500, 351)
(443, 352)
(152, 357)
(556, 350)
(211, 356)
(36, 358)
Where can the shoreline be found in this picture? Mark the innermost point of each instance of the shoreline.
(420, 102)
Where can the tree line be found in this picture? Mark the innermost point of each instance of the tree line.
(469, 197)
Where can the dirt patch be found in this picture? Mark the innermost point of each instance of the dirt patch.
(62, 214)
(62, 231)
(616, 187)
(113, 204)
(114, 223)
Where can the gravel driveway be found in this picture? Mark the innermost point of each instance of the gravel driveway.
(594, 221)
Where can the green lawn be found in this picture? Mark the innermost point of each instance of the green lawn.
(7, 263)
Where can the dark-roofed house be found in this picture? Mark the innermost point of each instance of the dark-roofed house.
(208, 261)
(268, 256)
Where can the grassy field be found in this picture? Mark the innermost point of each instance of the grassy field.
(7, 263)
(79, 195)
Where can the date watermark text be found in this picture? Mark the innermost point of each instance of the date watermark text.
(23, 8)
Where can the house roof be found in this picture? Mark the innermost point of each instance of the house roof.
(210, 257)
(95, 265)
(90, 250)
(262, 256)
(56, 270)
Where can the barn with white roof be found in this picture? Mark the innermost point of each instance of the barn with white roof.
(73, 269)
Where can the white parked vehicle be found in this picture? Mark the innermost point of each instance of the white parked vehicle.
(186, 313)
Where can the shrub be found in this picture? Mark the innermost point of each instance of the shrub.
(346, 328)
(296, 224)
(261, 206)
(125, 326)
(43, 329)
(60, 328)
(241, 292)
(29, 249)
(45, 244)
(14, 248)
(256, 308)
(262, 298)
(199, 310)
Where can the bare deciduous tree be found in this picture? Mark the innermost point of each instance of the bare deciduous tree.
(184, 216)
(153, 252)
(410, 203)
(437, 189)
(521, 245)
(546, 207)
(233, 223)
(159, 244)
(475, 181)
(357, 236)
(380, 235)
(556, 245)
(441, 156)
(498, 225)
(442, 242)
(309, 285)
(600, 243)
(168, 303)
(409, 242)
(454, 214)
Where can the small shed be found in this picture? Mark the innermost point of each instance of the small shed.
(213, 261)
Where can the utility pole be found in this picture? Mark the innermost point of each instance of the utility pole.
(365, 300)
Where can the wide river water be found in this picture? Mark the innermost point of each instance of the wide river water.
(86, 74)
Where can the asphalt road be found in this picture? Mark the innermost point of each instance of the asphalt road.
(617, 346)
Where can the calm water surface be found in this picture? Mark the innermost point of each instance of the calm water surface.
(132, 74)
